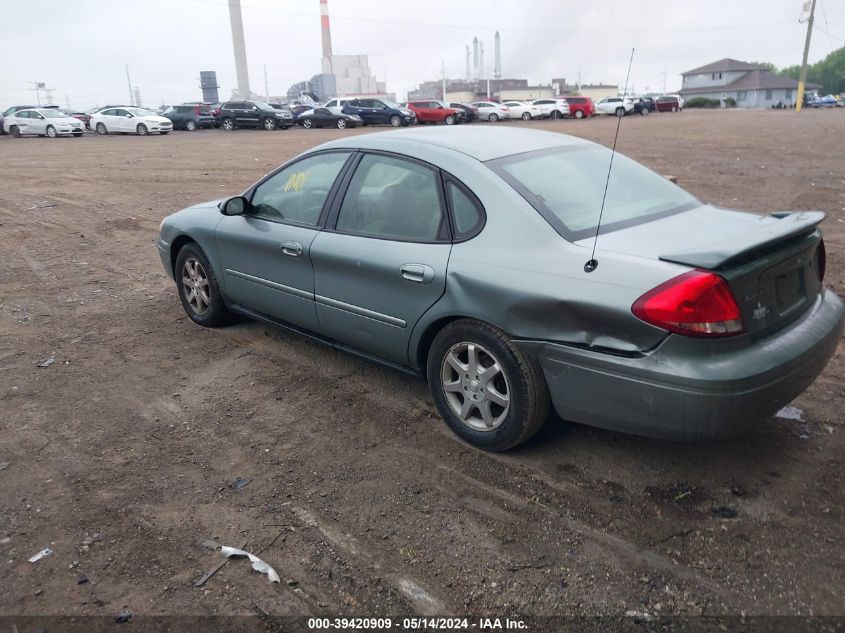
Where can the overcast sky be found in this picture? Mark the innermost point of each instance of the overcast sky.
(80, 48)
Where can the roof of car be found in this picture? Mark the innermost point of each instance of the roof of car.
(482, 143)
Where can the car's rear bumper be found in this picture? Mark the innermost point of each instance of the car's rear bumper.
(690, 389)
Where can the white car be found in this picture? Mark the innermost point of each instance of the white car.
(335, 106)
(523, 110)
(129, 120)
(619, 106)
(553, 108)
(42, 122)
(491, 111)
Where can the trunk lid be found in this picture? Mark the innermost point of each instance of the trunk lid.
(770, 262)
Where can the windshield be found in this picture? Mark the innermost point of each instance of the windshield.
(263, 106)
(566, 186)
(141, 112)
(390, 104)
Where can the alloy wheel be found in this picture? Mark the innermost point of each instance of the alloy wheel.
(341, 123)
(195, 286)
(526, 116)
(228, 125)
(395, 121)
(191, 126)
(142, 130)
(306, 123)
(51, 131)
(475, 386)
(579, 114)
(101, 128)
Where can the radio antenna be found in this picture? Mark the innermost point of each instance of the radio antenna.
(593, 263)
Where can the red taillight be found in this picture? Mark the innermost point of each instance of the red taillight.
(697, 303)
(822, 252)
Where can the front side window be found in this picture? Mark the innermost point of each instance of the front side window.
(393, 199)
(566, 185)
(298, 192)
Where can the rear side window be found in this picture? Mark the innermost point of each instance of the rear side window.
(466, 211)
(391, 198)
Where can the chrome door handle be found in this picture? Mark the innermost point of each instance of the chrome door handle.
(418, 273)
(292, 249)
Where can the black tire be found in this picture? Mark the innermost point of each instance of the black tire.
(449, 120)
(674, 108)
(526, 116)
(645, 112)
(15, 131)
(493, 117)
(579, 114)
(215, 314)
(525, 385)
(555, 115)
(620, 112)
(395, 120)
(51, 132)
(341, 124)
(227, 124)
(191, 125)
(306, 123)
(268, 124)
(102, 129)
(142, 130)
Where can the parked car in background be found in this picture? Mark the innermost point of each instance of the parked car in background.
(828, 101)
(668, 104)
(491, 111)
(379, 112)
(130, 120)
(435, 112)
(253, 114)
(190, 116)
(336, 105)
(681, 103)
(523, 110)
(423, 248)
(469, 111)
(553, 108)
(581, 107)
(82, 116)
(618, 106)
(323, 117)
(301, 108)
(11, 110)
(42, 122)
(644, 106)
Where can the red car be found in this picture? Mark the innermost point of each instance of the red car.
(668, 104)
(433, 112)
(580, 107)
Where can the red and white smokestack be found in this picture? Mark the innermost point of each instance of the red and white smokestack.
(327, 33)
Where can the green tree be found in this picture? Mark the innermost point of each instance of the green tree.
(829, 72)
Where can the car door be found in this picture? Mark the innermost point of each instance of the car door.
(382, 261)
(120, 121)
(265, 254)
(323, 118)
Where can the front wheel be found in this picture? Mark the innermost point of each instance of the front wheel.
(198, 288)
(341, 124)
(645, 112)
(674, 109)
(142, 130)
(268, 124)
(51, 131)
(395, 121)
(486, 389)
(620, 112)
(307, 124)
(579, 114)
(101, 129)
(449, 120)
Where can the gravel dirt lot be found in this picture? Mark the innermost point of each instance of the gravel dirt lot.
(122, 454)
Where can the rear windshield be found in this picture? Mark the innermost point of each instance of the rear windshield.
(566, 185)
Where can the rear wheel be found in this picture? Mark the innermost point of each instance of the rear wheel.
(268, 124)
(555, 115)
(449, 120)
(142, 130)
(15, 131)
(227, 124)
(395, 120)
(198, 288)
(620, 112)
(51, 131)
(493, 117)
(526, 116)
(645, 112)
(674, 108)
(579, 114)
(341, 124)
(101, 129)
(307, 123)
(191, 126)
(488, 392)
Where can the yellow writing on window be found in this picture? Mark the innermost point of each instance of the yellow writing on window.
(297, 181)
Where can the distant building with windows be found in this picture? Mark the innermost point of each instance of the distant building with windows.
(750, 85)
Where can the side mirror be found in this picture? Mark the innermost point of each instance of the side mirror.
(234, 206)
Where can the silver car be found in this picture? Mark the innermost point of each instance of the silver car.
(465, 256)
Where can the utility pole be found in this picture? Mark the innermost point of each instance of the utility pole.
(131, 92)
(266, 87)
(49, 92)
(39, 85)
(443, 95)
(664, 80)
(799, 103)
